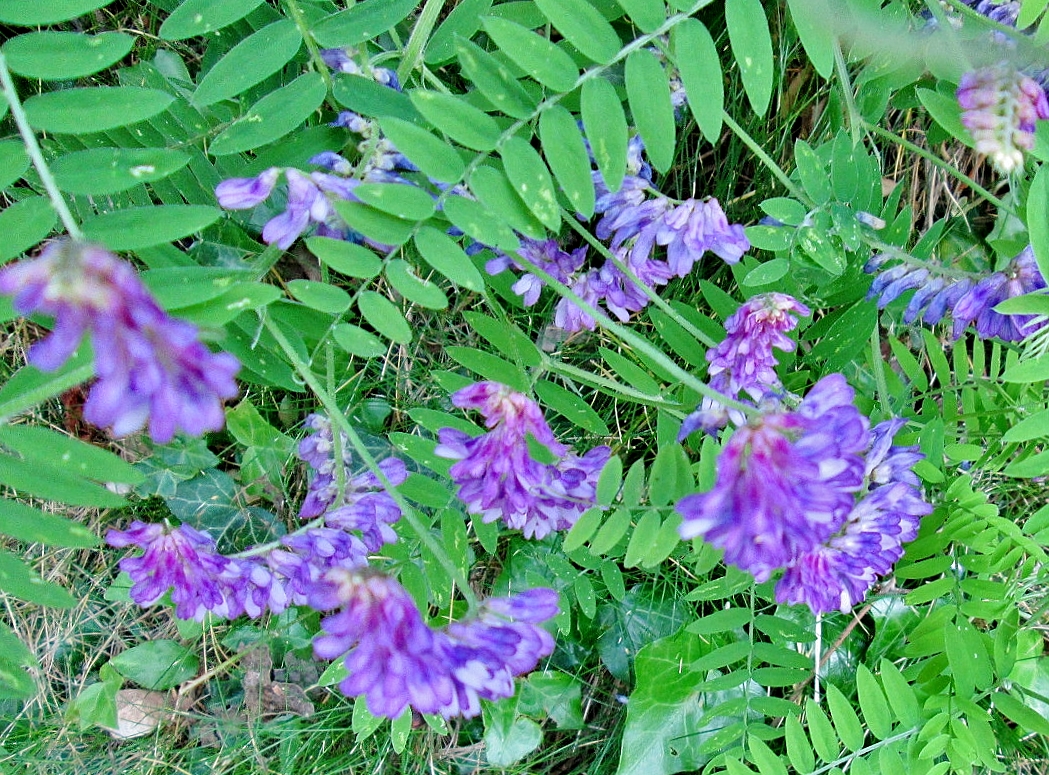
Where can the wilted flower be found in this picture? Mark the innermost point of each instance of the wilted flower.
(1000, 106)
(151, 368)
(497, 476)
(396, 660)
(785, 482)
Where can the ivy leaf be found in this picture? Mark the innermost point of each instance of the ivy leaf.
(157, 665)
(629, 624)
(508, 737)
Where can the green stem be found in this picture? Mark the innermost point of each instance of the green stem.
(295, 12)
(35, 154)
(587, 377)
(855, 119)
(768, 161)
(936, 160)
(420, 35)
(341, 424)
(878, 367)
(649, 292)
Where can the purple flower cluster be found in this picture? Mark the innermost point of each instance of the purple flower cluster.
(152, 369)
(1000, 106)
(365, 506)
(744, 364)
(636, 219)
(395, 659)
(497, 476)
(786, 497)
(341, 60)
(968, 302)
(188, 562)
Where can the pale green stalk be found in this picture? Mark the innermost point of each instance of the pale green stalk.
(35, 154)
(768, 161)
(295, 12)
(420, 36)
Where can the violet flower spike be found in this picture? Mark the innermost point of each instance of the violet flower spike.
(785, 483)
(999, 108)
(496, 475)
(151, 369)
(977, 305)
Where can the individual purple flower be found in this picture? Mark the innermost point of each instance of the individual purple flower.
(309, 553)
(183, 560)
(395, 660)
(365, 505)
(999, 108)
(693, 228)
(498, 478)
(341, 61)
(785, 483)
(151, 369)
(838, 574)
(977, 305)
(548, 256)
(245, 193)
(744, 362)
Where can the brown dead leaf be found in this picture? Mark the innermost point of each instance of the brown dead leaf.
(139, 712)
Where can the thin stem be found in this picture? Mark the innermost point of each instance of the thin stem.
(341, 424)
(931, 157)
(32, 147)
(768, 161)
(878, 367)
(855, 119)
(649, 292)
(295, 12)
(588, 377)
(420, 34)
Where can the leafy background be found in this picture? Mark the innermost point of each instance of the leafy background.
(667, 660)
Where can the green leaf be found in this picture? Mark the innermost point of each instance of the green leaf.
(15, 681)
(33, 13)
(157, 665)
(142, 227)
(566, 154)
(320, 296)
(1032, 370)
(365, 96)
(401, 275)
(664, 729)
(431, 154)
(556, 694)
(947, 113)
(100, 171)
(583, 530)
(813, 173)
(817, 36)
(24, 224)
(462, 22)
(494, 80)
(21, 581)
(74, 456)
(873, 703)
(489, 366)
(537, 56)
(25, 523)
(611, 532)
(94, 108)
(900, 694)
(407, 202)
(699, 65)
(822, 733)
(251, 61)
(14, 161)
(643, 537)
(508, 738)
(767, 761)
(799, 750)
(457, 118)
(1026, 719)
(606, 129)
(96, 704)
(648, 15)
(356, 341)
(766, 273)
(1034, 427)
(384, 317)
(375, 224)
(53, 483)
(649, 95)
(494, 190)
(584, 27)
(272, 117)
(183, 286)
(748, 32)
(571, 406)
(363, 22)
(199, 17)
(60, 56)
(345, 257)
(1037, 225)
(442, 253)
(532, 181)
(477, 222)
